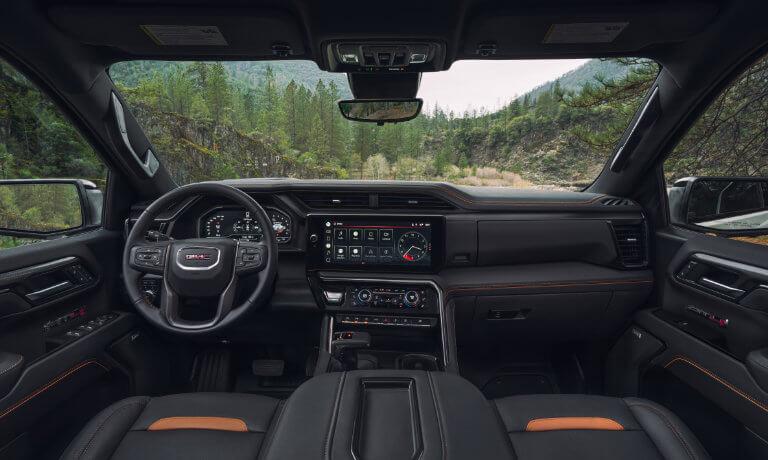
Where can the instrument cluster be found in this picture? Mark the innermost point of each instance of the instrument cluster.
(237, 223)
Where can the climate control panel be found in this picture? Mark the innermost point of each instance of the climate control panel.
(399, 298)
(380, 298)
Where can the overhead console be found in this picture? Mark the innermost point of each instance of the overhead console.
(366, 56)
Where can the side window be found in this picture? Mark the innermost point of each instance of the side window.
(51, 180)
(717, 176)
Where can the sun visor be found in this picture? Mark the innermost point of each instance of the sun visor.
(154, 31)
(603, 31)
(384, 85)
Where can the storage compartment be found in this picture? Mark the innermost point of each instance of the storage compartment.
(540, 317)
(388, 411)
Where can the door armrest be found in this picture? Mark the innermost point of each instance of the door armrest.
(11, 366)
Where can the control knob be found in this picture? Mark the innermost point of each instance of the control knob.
(412, 298)
(364, 296)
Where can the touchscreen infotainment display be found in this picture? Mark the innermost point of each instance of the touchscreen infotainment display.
(394, 242)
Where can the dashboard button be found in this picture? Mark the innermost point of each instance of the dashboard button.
(386, 254)
(340, 253)
(370, 253)
(355, 253)
(371, 235)
(340, 235)
(385, 235)
(355, 235)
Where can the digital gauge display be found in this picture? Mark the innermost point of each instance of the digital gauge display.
(237, 223)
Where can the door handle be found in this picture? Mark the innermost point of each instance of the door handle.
(50, 290)
(720, 287)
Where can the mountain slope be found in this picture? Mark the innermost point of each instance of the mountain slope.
(575, 79)
(249, 74)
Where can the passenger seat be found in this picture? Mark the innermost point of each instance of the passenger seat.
(595, 427)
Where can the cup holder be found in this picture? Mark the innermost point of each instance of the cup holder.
(417, 362)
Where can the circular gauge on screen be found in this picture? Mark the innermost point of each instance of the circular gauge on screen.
(281, 224)
(214, 226)
(412, 246)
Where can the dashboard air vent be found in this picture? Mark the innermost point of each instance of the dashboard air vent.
(631, 244)
(334, 200)
(613, 201)
(412, 201)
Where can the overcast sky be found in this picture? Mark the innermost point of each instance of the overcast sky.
(490, 84)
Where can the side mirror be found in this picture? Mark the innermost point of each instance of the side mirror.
(380, 111)
(723, 204)
(45, 208)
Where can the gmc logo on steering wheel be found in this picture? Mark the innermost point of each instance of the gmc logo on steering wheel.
(197, 257)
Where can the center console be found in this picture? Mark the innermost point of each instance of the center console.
(370, 274)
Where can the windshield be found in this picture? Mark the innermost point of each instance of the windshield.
(544, 124)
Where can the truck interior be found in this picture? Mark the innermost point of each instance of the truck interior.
(246, 229)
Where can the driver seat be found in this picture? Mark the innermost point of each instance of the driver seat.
(182, 426)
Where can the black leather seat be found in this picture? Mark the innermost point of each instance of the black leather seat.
(595, 427)
(374, 415)
(185, 426)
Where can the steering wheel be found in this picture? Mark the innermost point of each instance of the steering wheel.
(199, 267)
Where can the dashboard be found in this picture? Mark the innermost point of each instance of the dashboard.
(237, 223)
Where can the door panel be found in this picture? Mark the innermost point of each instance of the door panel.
(708, 333)
(687, 299)
(56, 366)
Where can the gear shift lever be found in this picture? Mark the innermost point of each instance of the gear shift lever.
(344, 345)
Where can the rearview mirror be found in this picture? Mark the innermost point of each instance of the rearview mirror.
(380, 111)
(43, 208)
(724, 204)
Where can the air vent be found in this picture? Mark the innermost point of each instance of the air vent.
(631, 244)
(412, 201)
(613, 201)
(334, 200)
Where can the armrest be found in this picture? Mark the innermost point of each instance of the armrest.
(11, 366)
(757, 364)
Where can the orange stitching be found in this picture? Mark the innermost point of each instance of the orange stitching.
(719, 380)
(48, 385)
(530, 286)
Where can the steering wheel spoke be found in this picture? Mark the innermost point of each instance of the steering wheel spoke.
(149, 257)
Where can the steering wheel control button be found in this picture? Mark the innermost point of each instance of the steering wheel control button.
(334, 297)
(248, 256)
(149, 257)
